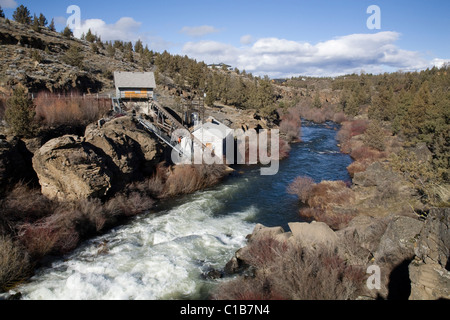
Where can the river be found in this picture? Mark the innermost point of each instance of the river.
(166, 253)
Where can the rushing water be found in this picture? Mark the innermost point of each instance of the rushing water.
(165, 254)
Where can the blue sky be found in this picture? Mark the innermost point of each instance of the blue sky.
(278, 38)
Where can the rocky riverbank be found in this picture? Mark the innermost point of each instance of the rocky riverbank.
(381, 222)
(412, 256)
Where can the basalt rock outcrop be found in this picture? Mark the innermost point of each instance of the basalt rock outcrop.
(69, 169)
(110, 156)
(430, 270)
(129, 151)
(413, 256)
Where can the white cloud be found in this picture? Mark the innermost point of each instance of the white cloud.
(126, 29)
(199, 31)
(8, 4)
(275, 57)
(247, 39)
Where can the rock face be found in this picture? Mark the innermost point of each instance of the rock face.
(429, 272)
(413, 256)
(69, 169)
(128, 150)
(106, 159)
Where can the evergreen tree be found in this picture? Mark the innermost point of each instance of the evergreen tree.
(316, 102)
(67, 33)
(2, 14)
(52, 25)
(89, 36)
(139, 47)
(20, 114)
(35, 26)
(110, 50)
(22, 15)
(42, 20)
(74, 56)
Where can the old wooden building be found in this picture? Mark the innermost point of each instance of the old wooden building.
(134, 85)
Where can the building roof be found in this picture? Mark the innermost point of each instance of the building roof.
(214, 127)
(134, 80)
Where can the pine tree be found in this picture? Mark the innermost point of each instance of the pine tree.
(74, 56)
(2, 14)
(374, 136)
(67, 33)
(110, 50)
(35, 26)
(42, 20)
(139, 47)
(20, 113)
(22, 15)
(316, 102)
(52, 25)
(89, 36)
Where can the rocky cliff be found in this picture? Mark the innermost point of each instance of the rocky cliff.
(106, 159)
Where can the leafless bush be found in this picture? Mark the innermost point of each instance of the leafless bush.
(186, 179)
(302, 187)
(316, 275)
(335, 220)
(54, 110)
(291, 125)
(295, 273)
(14, 263)
(330, 193)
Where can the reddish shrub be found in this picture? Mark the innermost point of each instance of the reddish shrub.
(302, 187)
(291, 124)
(358, 127)
(75, 109)
(335, 221)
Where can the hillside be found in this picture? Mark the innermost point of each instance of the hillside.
(36, 60)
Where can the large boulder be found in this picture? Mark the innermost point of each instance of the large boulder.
(313, 234)
(429, 272)
(69, 169)
(128, 150)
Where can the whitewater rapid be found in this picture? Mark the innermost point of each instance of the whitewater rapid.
(157, 256)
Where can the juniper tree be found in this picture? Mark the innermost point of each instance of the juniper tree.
(20, 113)
(52, 25)
(22, 15)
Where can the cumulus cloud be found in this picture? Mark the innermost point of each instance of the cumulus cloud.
(199, 31)
(126, 29)
(8, 4)
(373, 53)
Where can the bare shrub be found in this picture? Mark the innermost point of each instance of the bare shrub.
(339, 117)
(186, 179)
(302, 187)
(55, 110)
(14, 263)
(25, 204)
(335, 220)
(291, 124)
(330, 193)
(295, 273)
(320, 274)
